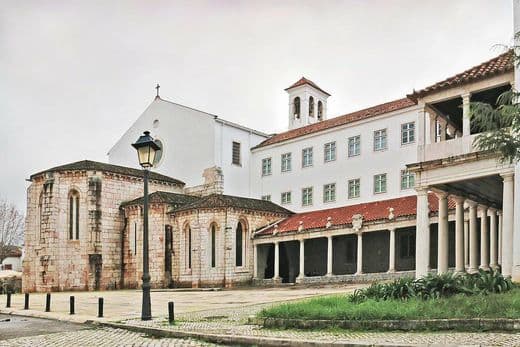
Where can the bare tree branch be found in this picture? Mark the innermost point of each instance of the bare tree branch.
(12, 223)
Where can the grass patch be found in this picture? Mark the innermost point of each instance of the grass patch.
(338, 307)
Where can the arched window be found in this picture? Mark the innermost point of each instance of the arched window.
(311, 106)
(240, 244)
(213, 244)
(320, 110)
(74, 215)
(40, 214)
(187, 246)
(296, 107)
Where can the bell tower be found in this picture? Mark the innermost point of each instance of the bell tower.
(307, 103)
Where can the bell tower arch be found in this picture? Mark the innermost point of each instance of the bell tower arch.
(307, 103)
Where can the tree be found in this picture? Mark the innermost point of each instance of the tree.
(11, 228)
(500, 124)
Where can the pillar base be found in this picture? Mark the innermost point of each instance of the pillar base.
(391, 271)
(484, 267)
(329, 274)
(472, 270)
(358, 273)
(300, 279)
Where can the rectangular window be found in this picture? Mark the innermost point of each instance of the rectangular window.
(407, 133)
(307, 157)
(236, 153)
(286, 162)
(407, 179)
(307, 196)
(380, 140)
(380, 183)
(354, 146)
(266, 197)
(286, 198)
(266, 167)
(354, 188)
(407, 246)
(329, 192)
(330, 151)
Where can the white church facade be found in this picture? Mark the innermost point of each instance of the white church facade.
(392, 190)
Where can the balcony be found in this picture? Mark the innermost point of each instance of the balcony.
(449, 148)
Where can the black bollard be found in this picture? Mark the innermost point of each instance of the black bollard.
(48, 303)
(171, 317)
(71, 305)
(100, 307)
(8, 304)
(26, 304)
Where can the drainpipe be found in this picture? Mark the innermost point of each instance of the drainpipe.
(122, 277)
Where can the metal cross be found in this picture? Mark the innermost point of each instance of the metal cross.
(157, 87)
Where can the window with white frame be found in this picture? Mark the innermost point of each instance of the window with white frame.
(380, 183)
(329, 192)
(330, 151)
(286, 198)
(407, 133)
(307, 157)
(407, 179)
(266, 167)
(286, 162)
(73, 215)
(354, 146)
(380, 140)
(307, 196)
(266, 197)
(354, 188)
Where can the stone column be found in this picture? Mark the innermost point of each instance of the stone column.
(459, 234)
(359, 269)
(484, 246)
(472, 237)
(466, 244)
(493, 255)
(466, 123)
(422, 239)
(391, 261)
(499, 213)
(301, 275)
(507, 224)
(442, 244)
(276, 260)
(329, 256)
(255, 261)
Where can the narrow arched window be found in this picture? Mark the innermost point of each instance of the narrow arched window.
(240, 244)
(74, 215)
(311, 106)
(213, 240)
(296, 107)
(320, 110)
(187, 246)
(40, 214)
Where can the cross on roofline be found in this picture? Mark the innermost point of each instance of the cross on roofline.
(157, 87)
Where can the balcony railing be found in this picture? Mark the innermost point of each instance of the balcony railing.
(449, 148)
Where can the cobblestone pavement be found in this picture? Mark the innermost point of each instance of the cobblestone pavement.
(98, 337)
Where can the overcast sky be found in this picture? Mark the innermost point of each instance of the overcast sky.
(74, 75)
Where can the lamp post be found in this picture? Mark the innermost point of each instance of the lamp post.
(146, 149)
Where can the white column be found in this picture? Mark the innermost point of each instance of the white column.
(422, 239)
(466, 244)
(255, 261)
(493, 249)
(391, 261)
(302, 259)
(466, 123)
(472, 237)
(359, 269)
(276, 260)
(459, 234)
(499, 237)
(329, 255)
(507, 224)
(442, 244)
(484, 247)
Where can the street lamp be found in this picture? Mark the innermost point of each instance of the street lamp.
(146, 149)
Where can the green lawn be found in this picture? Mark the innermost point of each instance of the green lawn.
(505, 305)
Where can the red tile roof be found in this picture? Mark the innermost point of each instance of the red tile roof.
(302, 81)
(338, 121)
(371, 211)
(498, 65)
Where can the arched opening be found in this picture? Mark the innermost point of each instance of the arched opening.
(73, 215)
(240, 244)
(168, 256)
(187, 247)
(296, 107)
(40, 214)
(311, 106)
(213, 245)
(320, 110)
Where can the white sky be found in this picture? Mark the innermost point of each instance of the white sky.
(74, 75)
